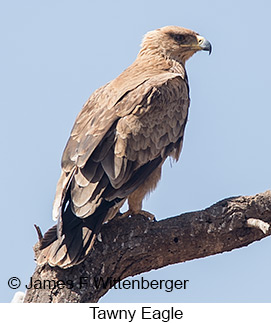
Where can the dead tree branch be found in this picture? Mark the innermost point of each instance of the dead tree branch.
(135, 245)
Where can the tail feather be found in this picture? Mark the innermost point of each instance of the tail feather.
(68, 243)
(66, 250)
(49, 237)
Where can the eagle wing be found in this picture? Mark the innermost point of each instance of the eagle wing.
(119, 138)
(110, 146)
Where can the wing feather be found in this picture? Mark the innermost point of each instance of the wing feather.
(81, 195)
(115, 148)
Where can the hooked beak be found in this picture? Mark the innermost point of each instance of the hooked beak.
(204, 44)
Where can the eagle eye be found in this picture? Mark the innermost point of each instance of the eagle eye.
(177, 37)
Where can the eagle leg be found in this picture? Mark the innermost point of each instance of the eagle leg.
(146, 214)
(135, 198)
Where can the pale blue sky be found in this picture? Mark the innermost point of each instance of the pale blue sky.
(54, 54)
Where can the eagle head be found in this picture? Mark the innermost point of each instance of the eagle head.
(174, 42)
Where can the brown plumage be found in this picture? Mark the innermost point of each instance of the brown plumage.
(119, 141)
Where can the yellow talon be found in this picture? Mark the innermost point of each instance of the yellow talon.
(146, 214)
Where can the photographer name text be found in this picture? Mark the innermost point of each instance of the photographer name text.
(109, 283)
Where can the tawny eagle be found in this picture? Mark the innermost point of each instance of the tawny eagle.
(119, 142)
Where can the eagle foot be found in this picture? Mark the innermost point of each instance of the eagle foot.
(146, 214)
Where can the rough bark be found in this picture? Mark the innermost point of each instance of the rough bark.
(135, 245)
